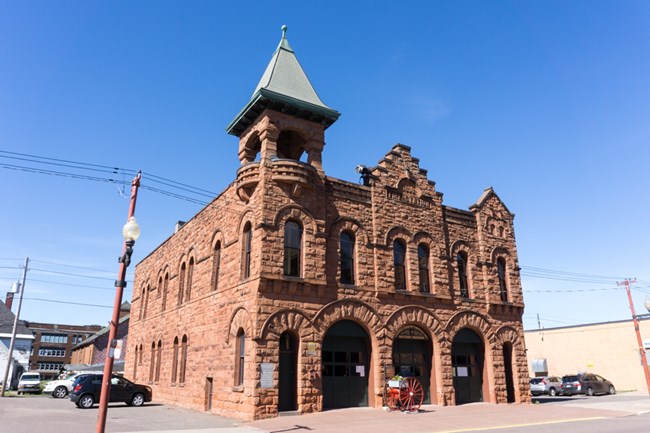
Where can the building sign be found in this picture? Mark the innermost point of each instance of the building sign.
(311, 348)
(266, 375)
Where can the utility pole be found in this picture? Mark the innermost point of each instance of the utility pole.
(644, 360)
(120, 284)
(10, 359)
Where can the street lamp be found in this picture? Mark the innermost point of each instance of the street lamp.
(131, 233)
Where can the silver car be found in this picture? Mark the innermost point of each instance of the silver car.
(545, 385)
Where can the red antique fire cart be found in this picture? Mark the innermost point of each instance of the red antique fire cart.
(403, 393)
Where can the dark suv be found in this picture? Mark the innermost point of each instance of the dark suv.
(87, 388)
(586, 383)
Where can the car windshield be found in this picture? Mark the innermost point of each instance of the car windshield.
(535, 381)
(569, 378)
(30, 376)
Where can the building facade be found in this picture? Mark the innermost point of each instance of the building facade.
(296, 291)
(53, 345)
(22, 345)
(609, 349)
(90, 354)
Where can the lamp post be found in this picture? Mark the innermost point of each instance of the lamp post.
(130, 232)
(10, 356)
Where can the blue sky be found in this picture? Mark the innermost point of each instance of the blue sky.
(546, 101)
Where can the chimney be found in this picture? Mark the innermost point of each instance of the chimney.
(179, 225)
(9, 300)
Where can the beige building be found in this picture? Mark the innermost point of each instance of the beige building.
(609, 349)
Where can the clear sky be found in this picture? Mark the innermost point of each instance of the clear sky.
(546, 101)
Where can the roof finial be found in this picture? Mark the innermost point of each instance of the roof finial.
(284, 31)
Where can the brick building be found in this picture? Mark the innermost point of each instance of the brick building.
(53, 344)
(90, 354)
(295, 291)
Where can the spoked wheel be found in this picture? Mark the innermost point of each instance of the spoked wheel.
(391, 396)
(411, 394)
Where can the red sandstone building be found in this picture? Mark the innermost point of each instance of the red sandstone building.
(295, 291)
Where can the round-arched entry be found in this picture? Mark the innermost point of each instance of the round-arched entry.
(467, 358)
(412, 357)
(287, 378)
(346, 360)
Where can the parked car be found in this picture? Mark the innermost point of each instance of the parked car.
(549, 385)
(587, 383)
(29, 382)
(61, 387)
(87, 389)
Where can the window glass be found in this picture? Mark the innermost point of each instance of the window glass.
(423, 267)
(399, 259)
(347, 258)
(292, 246)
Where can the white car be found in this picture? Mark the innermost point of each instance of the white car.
(61, 387)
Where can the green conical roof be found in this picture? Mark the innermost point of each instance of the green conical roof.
(284, 87)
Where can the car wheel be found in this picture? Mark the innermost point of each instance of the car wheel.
(60, 392)
(611, 390)
(86, 401)
(590, 391)
(137, 400)
(551, 392)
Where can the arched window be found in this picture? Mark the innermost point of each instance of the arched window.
(423, 267)
(164, 290)
(181, 283)
(158, 361)
(246, 250)
(216, 262)
(175, 360)
(239, 361)
(347, 258)
(399, 260)
(152, 364)
(461, 259)
(188, 285)
(292, 248)
(160, 286)
(501, 272)
(181, 374)
(141, 350)
(144, 292)
(135, 364)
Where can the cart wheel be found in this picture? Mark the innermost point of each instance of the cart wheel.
(411, 394)
(391, 397)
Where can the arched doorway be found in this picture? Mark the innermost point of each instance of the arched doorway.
(467, 358)
(288, 378)
(345, 366)
(507, 362)
(412, 357)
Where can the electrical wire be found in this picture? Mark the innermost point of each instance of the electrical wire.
(69, 266)
(66, 302)
(70, 274)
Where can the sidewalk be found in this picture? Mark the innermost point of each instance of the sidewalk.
(447, 419)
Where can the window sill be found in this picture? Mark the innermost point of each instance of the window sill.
(239, 388)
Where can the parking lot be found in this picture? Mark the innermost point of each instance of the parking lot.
(44, 414)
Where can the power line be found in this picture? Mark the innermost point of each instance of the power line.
(71, 266)
(77, 285)
(67, 302)
(70, 274)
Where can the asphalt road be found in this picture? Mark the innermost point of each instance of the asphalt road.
(44, 414)
(621, 413)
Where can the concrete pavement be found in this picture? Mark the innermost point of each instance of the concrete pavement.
(449, 419)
